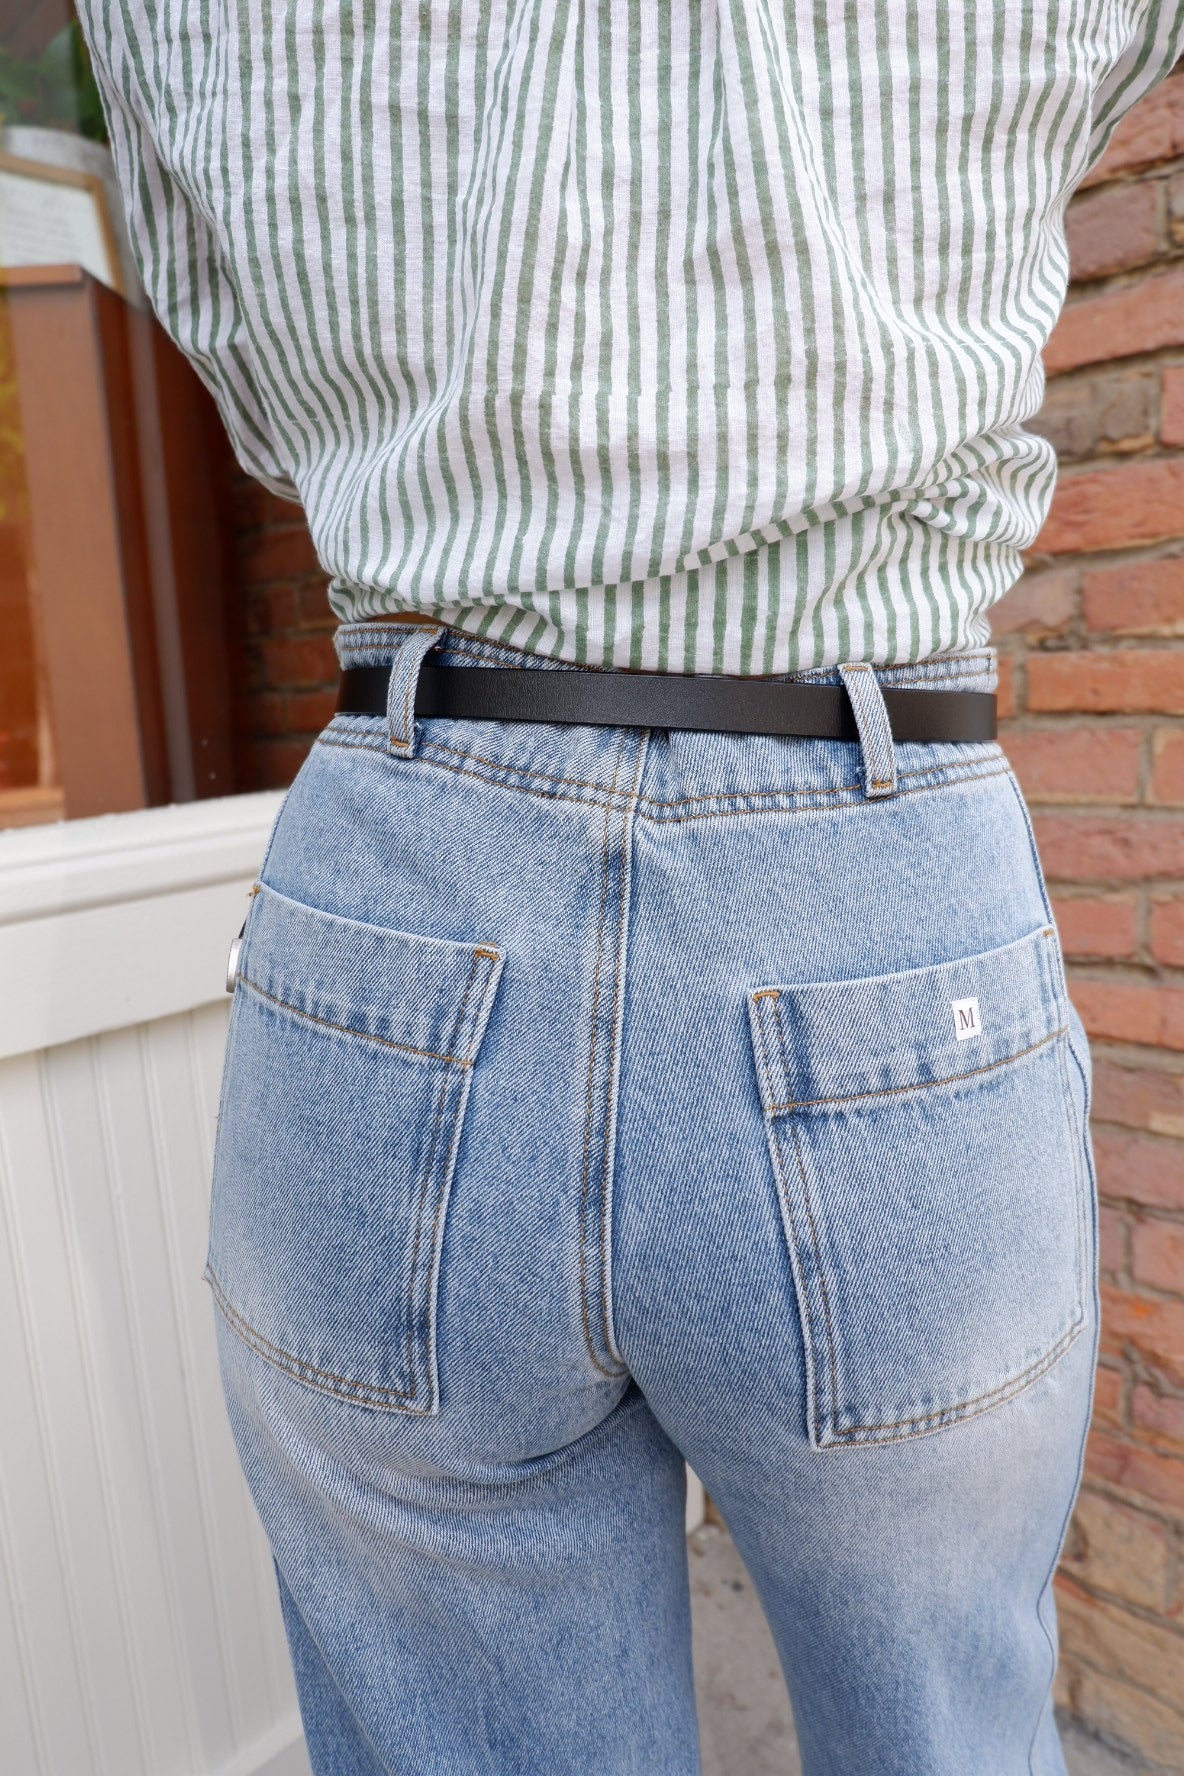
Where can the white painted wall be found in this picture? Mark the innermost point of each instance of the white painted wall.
(140, 1632)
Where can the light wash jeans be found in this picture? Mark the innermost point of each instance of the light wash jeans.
(599, 1097)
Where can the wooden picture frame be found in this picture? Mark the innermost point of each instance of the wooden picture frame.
(77, 230)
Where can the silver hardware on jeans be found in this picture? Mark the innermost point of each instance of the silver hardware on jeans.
(232, 959)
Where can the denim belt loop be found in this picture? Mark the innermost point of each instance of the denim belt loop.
(402, 730)
(875, 730)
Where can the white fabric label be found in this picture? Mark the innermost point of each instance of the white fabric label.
(966, 1019)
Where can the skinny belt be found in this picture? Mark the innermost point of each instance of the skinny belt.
(627, 698)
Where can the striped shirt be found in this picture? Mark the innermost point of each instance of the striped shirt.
(693, 337)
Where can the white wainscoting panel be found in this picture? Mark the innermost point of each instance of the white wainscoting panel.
(140, 1632)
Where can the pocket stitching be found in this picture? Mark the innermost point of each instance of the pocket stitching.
(312, 1017)
(978, 1403)
(429, 1169)
(918, 1085)
(376, 1394)
(795, 1261)
(922, 1424)
(971, 1408)
(826, 1314)
(296, 1366)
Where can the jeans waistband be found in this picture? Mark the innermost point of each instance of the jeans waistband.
(666, 771)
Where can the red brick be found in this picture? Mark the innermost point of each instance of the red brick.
(1100, 411)
(1139, 1168)
(269, 714)
(309, 711)
(1157, 1253)
(250, 664)
(1136, 501)
(270, 609)
(1129, 680)
(258, 508)
(1111, 1239)
(1108, 1384)
(1066, 1685)
(1167, 932)
(1158, 1415)
(1096, 927)
(1148, 1325)
(1171, 411)
(280, 553)
(1148, 1012)
(1150, 1098)
(1077, 764)
(1122, 847)
(1151, 1474)
(1140, 317)
(1106, 1634)
(1144, 598)
(1007, 692)
(1167, 768)
(1152, 130)
(1146, 1726)
(1038, 604)
(314, 612)
(1112, 230)
(298, 661)
(272, 764)
(1119, 1549)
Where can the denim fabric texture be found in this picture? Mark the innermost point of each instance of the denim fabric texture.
(596, 1098)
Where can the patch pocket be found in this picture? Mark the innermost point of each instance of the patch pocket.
(349, 1058)
(929, 1165)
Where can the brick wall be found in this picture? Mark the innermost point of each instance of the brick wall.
(1092, 645)
(281, 629)
(1093, 653)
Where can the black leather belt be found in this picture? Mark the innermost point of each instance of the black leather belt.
(728, 705)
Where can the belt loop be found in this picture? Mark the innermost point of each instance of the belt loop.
(402, 731)
(875, 730)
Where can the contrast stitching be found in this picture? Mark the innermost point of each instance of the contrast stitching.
(404, 737)
(330, 739)
(362, 1035)
(676, 801)
(605, 1233)
(412, 680)
(584, 1180)
(946, 774)
(582, 783)
(429, 1167)
(299, 1366)
(766, 1070)
(786, 1196)
(963, 1408)
(428, 1172)
(439, 1209)
(295, 1365)
(890, 1091)
(967, 1408)
(818, 1264)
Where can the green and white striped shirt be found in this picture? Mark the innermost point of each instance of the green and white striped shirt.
(692, 335)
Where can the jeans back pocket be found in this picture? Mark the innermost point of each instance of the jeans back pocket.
(929, 1162)
(346, 1075)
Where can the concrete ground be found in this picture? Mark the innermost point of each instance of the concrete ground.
(745, 1724)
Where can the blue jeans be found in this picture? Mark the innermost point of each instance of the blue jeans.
(596, 1098)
